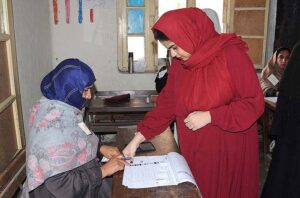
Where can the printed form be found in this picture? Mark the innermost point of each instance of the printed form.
(153, 171)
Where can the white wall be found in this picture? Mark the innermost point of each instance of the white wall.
(94, 43)
(41, 45)
(33, 45)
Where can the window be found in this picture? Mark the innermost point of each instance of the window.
(136, 18)
(255, 15)
(12, 148)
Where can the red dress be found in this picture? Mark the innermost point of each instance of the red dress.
(223, 155)
(218, 77)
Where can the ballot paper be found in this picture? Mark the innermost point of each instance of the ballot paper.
(153, 171)
(273, 80)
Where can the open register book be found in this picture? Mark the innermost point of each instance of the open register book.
(153, 171)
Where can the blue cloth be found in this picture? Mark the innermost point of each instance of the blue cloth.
(67, 81)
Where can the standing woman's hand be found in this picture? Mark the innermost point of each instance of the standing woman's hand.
(130, 149)
(197, 120)
(109, 151)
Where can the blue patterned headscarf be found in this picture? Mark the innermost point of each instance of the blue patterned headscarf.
(67, 81)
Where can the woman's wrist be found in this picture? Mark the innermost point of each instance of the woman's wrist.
(208, 117)
(102, 172)
(138, 138)
(101, 149)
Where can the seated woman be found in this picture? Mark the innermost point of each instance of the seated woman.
(272, 73)
(62, 154)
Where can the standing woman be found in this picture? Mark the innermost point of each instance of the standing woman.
(275, 68)
(283, 179)
(61, 152)
(214, 95)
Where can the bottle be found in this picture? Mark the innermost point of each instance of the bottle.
(130, 62)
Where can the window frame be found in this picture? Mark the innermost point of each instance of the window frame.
(151, 15)
(150, 44)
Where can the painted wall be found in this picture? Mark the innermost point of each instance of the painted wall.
(33, 45)
(94, 43)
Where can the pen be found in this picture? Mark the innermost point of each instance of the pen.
(127, 158)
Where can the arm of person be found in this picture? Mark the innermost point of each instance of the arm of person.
(73, 183)
(157, 120)
(248, 102)
(109, 151)
(130, 149)
(264, 82)
(79, 181)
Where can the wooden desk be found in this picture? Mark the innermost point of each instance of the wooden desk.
(103, 117)
(164, 144)
(267, 119)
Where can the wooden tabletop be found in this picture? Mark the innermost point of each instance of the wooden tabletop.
(133, 105)
(164, 143)
(140, 101)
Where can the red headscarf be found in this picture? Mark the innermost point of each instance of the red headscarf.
(193, 31)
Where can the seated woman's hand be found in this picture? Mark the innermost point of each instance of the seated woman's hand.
(109, 151)
(113, 165)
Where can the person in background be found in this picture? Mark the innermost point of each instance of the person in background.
(213, 93)
(213, 15)
(162, 75)
(283, 179)
(273, 71)
(61, 151)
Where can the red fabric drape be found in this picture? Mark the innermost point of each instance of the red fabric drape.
(194, 32)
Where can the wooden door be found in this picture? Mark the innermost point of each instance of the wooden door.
(12, 147)
(249, 19)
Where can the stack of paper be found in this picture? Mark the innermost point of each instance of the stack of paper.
(153, 171)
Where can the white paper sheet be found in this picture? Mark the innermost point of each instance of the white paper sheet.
(153, 171)
(273, 80)
(271, 99)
